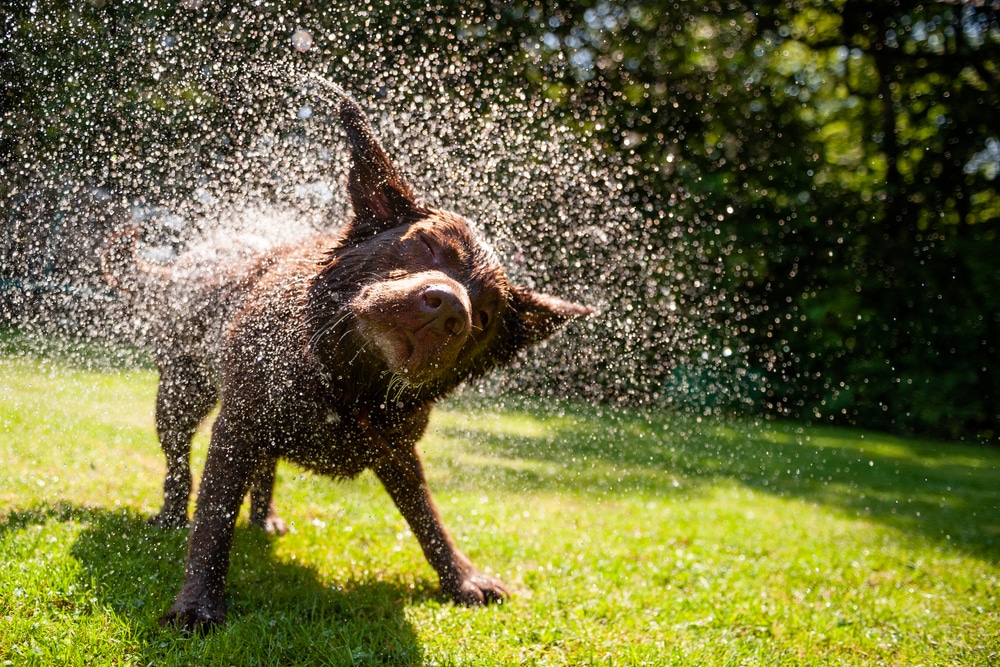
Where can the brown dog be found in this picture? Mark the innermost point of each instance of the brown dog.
(329, 353)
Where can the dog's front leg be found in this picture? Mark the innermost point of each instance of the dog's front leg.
(201, 602)
(459, 577)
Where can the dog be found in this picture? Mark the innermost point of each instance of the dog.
(330, 353)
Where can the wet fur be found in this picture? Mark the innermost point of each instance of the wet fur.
(329, 353)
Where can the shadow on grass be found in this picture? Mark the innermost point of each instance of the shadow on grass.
(944, 492)
(279, 612)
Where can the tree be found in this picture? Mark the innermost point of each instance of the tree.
(804, 192)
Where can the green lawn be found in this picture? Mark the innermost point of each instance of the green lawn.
(626, 539)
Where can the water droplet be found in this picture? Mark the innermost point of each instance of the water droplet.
(302, 40)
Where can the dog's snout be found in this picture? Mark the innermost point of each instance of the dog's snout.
(446, 309)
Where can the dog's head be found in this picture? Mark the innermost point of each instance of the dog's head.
(424, 295)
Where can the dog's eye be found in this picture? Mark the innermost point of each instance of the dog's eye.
(484, 319)
(429, 246)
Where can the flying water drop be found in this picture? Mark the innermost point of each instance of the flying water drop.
(302, 40)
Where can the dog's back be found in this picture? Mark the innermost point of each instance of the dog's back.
(185, 307)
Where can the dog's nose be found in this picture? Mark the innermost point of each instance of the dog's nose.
(445, 309)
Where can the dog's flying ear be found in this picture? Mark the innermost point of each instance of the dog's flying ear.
(380, 197)
(533, 317)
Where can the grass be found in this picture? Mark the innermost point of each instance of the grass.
(626, 538)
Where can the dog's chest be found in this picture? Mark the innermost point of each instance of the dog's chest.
(344, 440)
(331, 443)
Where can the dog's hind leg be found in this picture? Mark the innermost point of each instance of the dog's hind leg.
(263, 513)
(184, 398)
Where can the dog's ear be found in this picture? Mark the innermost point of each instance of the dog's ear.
(533, 317)
(381, 199)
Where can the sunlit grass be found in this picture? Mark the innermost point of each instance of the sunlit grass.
(626, 539)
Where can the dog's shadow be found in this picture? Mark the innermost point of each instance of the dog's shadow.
(279, 612)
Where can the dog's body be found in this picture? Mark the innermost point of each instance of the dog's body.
(330, 353)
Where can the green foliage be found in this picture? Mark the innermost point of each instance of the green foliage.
(832, 157)
(628, 538)
(828, 170)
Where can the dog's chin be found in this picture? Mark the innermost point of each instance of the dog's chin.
(406, 359)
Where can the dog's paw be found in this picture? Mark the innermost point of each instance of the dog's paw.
(477, 589)
(168, 520)
(272, 525)
(275, 525)
(194, 617)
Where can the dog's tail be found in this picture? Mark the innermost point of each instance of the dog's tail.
(122, 267)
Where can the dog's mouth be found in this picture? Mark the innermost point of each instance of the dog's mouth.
(411, 359)
(418, 327)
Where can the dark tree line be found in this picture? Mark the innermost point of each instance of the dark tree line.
(830, 168)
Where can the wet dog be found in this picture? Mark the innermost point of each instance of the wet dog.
(329, 353)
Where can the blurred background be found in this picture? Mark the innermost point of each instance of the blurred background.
(782, 208)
